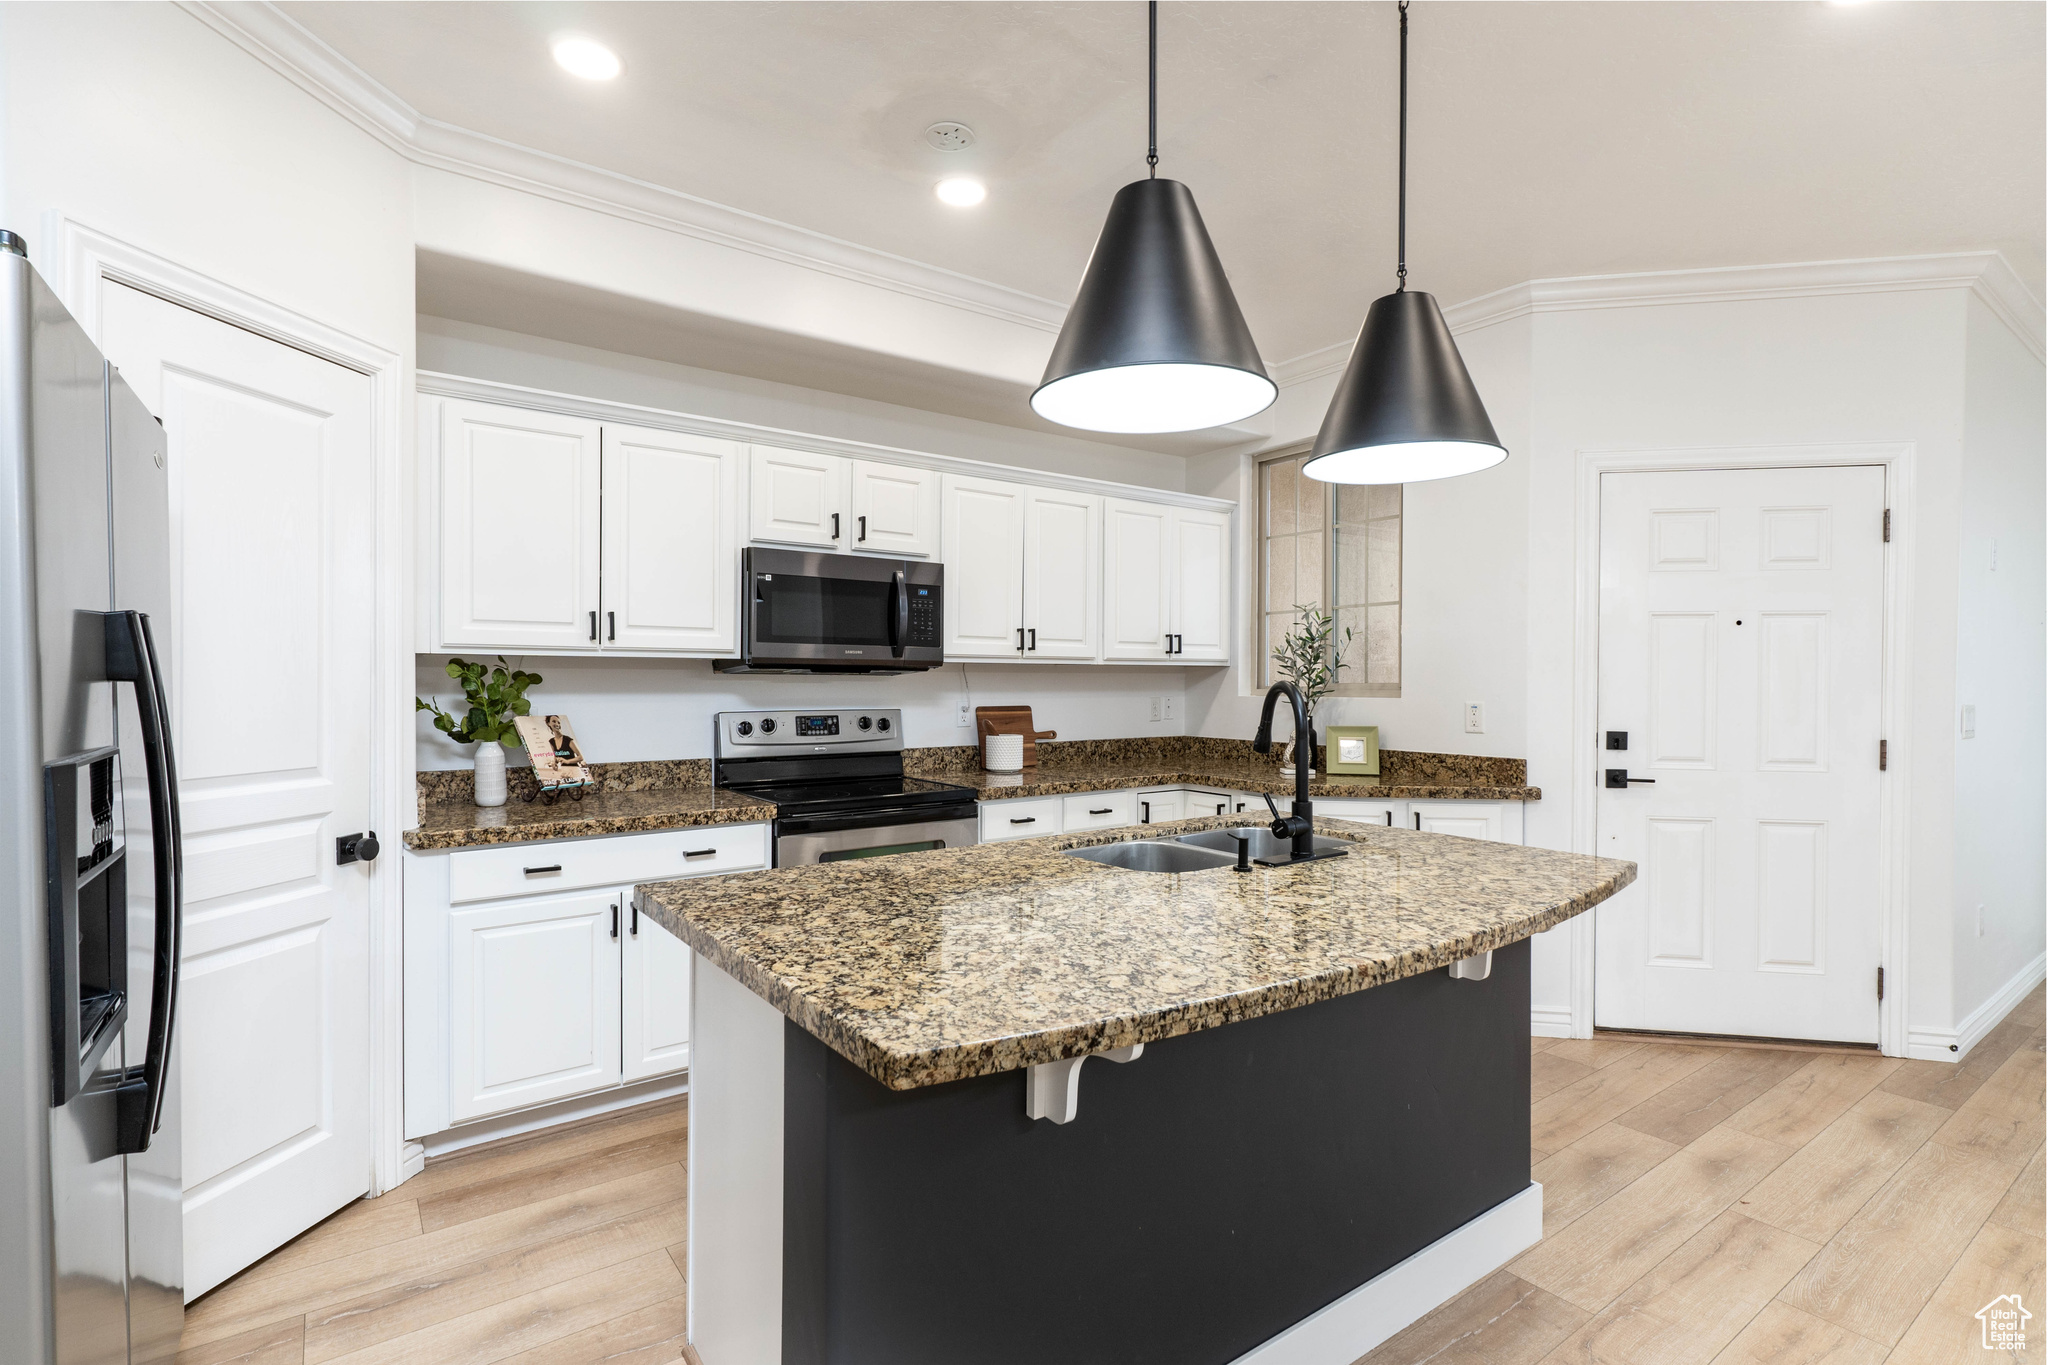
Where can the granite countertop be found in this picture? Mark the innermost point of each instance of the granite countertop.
(1066, 779)
(928, 967)
(448, 825)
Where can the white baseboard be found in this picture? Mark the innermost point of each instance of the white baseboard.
(548, 1115)
(1952, 1045)
(1341, 1332)
(1550, 1023)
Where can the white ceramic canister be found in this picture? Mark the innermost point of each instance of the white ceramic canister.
(490, 774)
(1002, 753)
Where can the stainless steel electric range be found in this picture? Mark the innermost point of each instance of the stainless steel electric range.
(836, 780)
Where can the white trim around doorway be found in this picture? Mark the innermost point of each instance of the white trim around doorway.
(78, 261)
(1897, 460)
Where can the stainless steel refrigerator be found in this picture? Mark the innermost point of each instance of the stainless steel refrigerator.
(91, 1241)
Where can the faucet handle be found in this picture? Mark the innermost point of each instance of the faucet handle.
(1279, 822)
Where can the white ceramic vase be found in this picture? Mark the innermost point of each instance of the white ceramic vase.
(490, 774)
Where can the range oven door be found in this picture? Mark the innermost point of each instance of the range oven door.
(832, 839)
(839, 613)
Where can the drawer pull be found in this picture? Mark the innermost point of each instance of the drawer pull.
(1105, 810)
(1027, 820)
(700, 853)
(1390, 817)
(536, 871)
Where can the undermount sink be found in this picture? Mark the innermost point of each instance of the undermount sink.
(1155, 855)
(1265, 843)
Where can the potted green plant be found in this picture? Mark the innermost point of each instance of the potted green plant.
(493, 697)
(1309, 656)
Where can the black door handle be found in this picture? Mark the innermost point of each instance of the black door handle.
(1619, 780)
(863, 529)
(356, 848)
(1034, 638)
(536, 871)
(636, 917)
(615, 919)
(1027, 820)
(1418, 819)
(611, 625)
(1020, 639)
(835, 526)
(1106, 810)
(593, 625)
(1146, 819)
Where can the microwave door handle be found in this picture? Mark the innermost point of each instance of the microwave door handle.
(899, 618)
(131, 658)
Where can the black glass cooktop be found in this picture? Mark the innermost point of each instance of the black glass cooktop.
(855, 793)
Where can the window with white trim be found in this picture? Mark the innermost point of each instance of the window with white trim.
(1336, 547)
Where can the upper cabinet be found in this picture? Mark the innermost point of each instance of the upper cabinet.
(797, 498)
(1166, 583)
(564, 534)
(1023, 571)
(1062, 574)
(895, 510)
(519, 529)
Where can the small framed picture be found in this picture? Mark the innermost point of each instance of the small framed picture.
(557, 758)
(1353, 749)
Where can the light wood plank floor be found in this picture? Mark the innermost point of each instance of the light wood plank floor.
(1718, 1205)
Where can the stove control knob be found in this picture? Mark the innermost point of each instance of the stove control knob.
(745, 727)
(882, 724)
(865, 723)
(767, 725)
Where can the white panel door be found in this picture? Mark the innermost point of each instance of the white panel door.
(895, 510)
(984, 539)
(797, 498)
(519, 528)
(655, 1005)
(671, 566)
(1062, 574)
(1137, 574)
(533, 1000)
(1740, 638)
(270, 681)
(1201, 586)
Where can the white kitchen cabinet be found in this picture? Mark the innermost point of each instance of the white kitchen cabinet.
(895, 510)
(1388, 813)
(519, 556)
(1062, 571)
(795, 497)
(670, 580)
(1137, 572)
(1157, 805)
(533, 1001)
(1205, 801)
(1201, 586)
(1500, 821)
(1098, 810)
(654, 1013)
(984, 540)
(1026, 818)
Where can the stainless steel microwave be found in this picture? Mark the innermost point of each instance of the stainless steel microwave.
(813, 613)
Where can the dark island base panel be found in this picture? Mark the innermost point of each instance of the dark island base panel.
(1209, 1194)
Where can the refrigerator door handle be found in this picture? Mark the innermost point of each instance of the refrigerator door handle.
(131, 658)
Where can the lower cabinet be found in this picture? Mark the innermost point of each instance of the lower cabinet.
(518, 1000)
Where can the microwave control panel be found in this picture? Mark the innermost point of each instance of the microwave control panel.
(924, 614)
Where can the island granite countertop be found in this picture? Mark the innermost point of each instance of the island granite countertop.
(921, 968)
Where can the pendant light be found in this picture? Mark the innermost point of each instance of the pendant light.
(1406, 409)
(1154, 341)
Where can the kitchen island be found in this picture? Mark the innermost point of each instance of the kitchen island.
(1315, 1133)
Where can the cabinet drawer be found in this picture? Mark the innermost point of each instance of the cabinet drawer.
(1098, 810)
(485, 874)
(1020, 819)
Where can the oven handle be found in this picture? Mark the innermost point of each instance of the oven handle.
(899, 616)
(875, 819)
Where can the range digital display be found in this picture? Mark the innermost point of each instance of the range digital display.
(817, 725)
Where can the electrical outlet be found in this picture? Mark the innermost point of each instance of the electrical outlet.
(1994, 556)
(1969, 722)
(1172, 708)
(1980, 921)
(1475, 719)
(966, 715)
(1157, 704)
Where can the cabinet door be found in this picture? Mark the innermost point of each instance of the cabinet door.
(1201, 586)
(797, 498)
(533, 1001)
(1388, 813)
(519, 529)
(1062, 574)
(1162, 804)
(1469, 819)
(655, 1008)
(984, 540)
(1137, 546)
(670, 562)
(895, 510)
(1204, 802)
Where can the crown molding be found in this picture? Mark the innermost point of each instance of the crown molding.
(1986, 274)
(282, 44)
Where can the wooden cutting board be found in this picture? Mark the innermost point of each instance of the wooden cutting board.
(1012, 720)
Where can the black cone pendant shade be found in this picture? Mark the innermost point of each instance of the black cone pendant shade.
(1406, 410)
(1154, 341)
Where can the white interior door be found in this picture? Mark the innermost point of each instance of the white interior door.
(270, 681)
(671, 569)
(797, 498)
(1740, 647)
(655, 1005)
(519, 528)
(1137, 570)
(1201, 586)
(895, 510)
(984, 539)
(1062, 574)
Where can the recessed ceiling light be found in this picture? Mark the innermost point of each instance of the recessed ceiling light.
(961, 192)
(582, 57)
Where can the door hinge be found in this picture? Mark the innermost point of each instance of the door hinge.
(1880, 983)
(1887, 525)
(1884, 754)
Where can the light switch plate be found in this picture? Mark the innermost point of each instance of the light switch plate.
(1969, 722)
(1156, 704)
(1475, 719)
(966, 715)
(1172, 707)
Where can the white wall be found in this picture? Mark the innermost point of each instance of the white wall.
(2000, 666)
(636, 709)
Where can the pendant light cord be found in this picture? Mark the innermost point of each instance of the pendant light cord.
(1152, 91)
(1401, 231)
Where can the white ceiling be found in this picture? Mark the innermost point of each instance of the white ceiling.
(1546, 139)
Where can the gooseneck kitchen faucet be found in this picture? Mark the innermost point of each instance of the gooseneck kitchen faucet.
(1299, 825)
